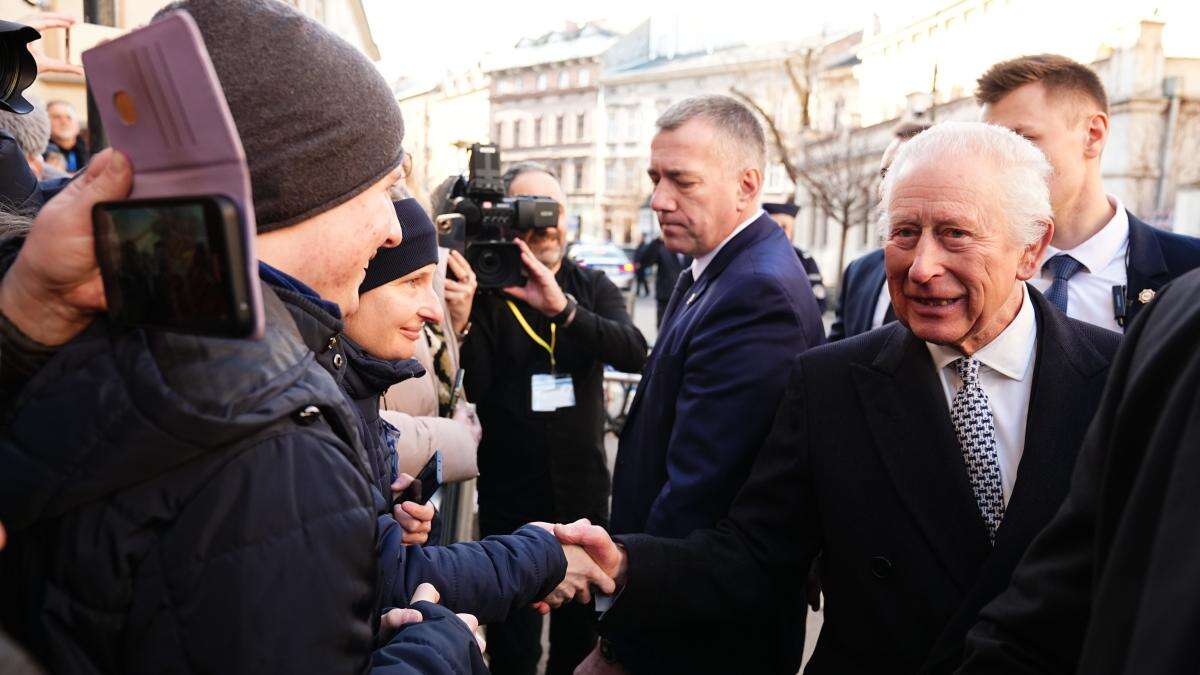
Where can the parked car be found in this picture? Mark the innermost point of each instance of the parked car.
(607, 257)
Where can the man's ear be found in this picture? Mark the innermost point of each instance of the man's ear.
(749, 185)
(1032, 254)
(1096, 130)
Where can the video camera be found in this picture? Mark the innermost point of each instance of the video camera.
(18, 68)
(484, 222)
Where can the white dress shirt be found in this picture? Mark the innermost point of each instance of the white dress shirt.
(1006, 375)
(1089, 292)
(700, 262)
(881, 306)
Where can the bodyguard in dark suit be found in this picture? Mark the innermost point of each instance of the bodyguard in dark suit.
(919, 459)
(737, 317)
(1104, 264)
(669, 266)
(1110, 585)
(864, 289)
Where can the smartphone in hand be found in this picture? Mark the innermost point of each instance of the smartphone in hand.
(427, 482)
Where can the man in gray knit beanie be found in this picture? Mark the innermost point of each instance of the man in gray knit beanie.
(322, 135)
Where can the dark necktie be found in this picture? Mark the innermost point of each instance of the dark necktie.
(682, 285)
(976, 431)
(1063, 267)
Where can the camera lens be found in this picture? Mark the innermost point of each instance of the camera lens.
(488, 263)
(10, 68)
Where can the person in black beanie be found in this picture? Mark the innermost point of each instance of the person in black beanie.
(190, 504)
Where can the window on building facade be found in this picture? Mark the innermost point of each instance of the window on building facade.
(543, 81)
(559, 124)
(584, 77)
(611, 175)
(516, 137)
(581, 175)
(581, 127)
(537, 132)
(564, 80)
(613, 124)
(499, 134)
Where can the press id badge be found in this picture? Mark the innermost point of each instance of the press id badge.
(549, 393)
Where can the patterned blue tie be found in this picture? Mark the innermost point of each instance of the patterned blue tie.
(972, 418)
(1063, 267)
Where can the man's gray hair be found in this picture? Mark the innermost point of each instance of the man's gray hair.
(1023, 183)
(738, 127)
(525, 167)
(31, 130)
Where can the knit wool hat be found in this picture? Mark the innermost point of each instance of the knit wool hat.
(418, 248)
(318, 122)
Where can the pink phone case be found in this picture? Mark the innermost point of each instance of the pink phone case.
(180, 136)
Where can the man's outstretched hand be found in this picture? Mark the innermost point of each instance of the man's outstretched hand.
(592, 559)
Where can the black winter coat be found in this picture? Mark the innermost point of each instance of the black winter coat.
(546, 465)
(179, 504)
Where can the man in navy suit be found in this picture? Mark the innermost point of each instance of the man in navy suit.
(736, 319)
(863, 300)
(920, 459)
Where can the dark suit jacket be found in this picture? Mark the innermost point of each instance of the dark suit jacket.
(702, 411)
(1155, 258)
(863, 466)
(861, 282)
(1110, 586)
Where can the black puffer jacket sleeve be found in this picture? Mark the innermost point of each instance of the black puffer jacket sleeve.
(488, 578)
(439, 644)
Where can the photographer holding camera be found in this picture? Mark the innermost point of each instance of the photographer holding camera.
(534, 359)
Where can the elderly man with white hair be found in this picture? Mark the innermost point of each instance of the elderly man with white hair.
(920, 458)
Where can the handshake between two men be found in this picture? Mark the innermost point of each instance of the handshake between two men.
(593, 559)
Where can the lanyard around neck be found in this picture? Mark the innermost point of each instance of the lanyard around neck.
(534, 336)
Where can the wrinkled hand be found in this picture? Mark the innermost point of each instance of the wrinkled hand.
(416, 520)
(582, 573)
(599, 546)
(394, 619)
(542, 291)
(464, 413)
(53, 289)
(460, 292)
(43, 21)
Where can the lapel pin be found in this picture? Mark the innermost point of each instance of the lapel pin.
(1146, 295)
(691, 298)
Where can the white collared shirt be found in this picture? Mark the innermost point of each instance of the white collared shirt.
(1089, 292)
(881, 306)
(1006, 375)
(699, 263)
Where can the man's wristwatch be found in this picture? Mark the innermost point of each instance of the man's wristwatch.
(567, 315)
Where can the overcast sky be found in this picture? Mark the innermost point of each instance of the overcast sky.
(424, 39)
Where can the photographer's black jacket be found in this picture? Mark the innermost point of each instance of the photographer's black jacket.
(547, 466)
